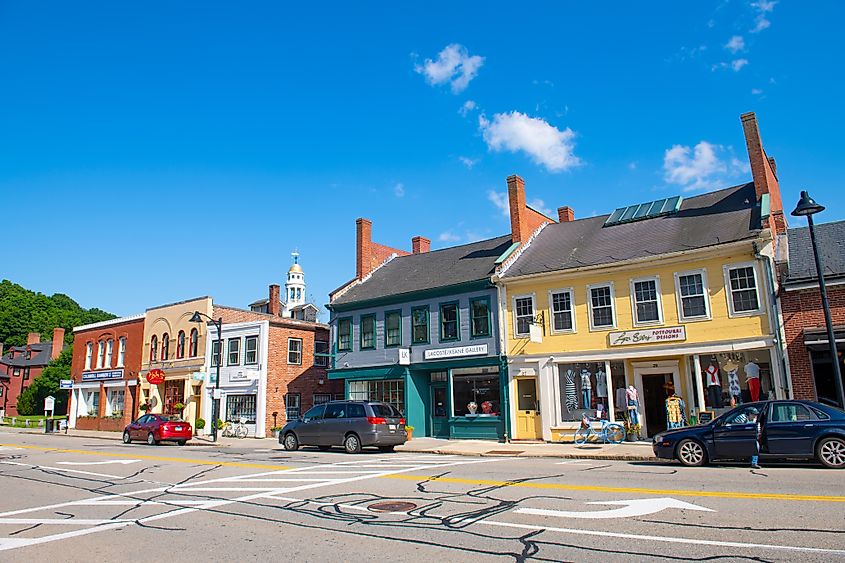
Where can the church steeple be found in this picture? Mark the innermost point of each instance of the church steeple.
(294, 286)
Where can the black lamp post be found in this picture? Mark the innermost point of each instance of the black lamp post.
(215, 402)
(807, 207)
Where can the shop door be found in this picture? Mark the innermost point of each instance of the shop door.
(528, 410)
(439, 411)
(654, 401)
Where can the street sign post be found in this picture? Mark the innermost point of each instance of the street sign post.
(66, 384)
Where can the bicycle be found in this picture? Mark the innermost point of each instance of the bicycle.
(610, 432)
(238, 430)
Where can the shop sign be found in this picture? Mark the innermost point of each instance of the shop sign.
(155, 376)
(198, 376)
(65, 384)
(101, 375)
(442, 353)
(648, 336)
(404, 356)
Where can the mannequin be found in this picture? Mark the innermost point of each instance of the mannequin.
(601, 386)
(586, 389)
(633, 402)
(734, 390)
(714, 385)
(752, 378)
(675, 412)
(569, 390)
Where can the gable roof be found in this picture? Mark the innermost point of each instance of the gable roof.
(830, 238)
(710, 219)
(41, 353)
(438, 268)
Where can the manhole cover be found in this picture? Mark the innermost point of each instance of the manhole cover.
(392, 506)
(505, 452)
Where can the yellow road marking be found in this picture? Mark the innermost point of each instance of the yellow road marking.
(152, 457)
(637, 490)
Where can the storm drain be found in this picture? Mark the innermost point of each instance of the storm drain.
(395, 506)
(504, 452)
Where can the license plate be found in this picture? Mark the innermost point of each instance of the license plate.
(392, 426)
(178, 429)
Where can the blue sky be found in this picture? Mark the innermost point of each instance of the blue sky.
(157, 151)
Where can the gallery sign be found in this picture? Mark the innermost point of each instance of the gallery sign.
(457, 352)
(102, 375)
(648, 336)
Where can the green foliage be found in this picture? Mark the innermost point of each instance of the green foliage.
(200, 423)
(23, 311)
(31, 401)
(220, 424)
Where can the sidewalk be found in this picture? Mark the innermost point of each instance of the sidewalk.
(247, 443)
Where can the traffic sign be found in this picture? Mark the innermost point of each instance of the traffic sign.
(66, 384)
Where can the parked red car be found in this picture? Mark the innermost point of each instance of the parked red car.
(157, 427)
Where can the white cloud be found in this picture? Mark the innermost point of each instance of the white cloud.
(500, 200)
(756, 91)
(735, 43)
(399, 190)
(468, 106)
(448, 236)
(468, 162)
(545, 144)
(761, 22)
(737, 64)
(693, 169)
(540, 205)
(454, 65)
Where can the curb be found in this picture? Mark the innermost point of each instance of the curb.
(117, 438)
(607, 457)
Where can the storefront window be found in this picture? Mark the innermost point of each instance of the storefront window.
(476, 394)
(174, 394)
(583, 387)
(240, 406)
(92, 401)
(736, 377)
(388, 391)
(116, 401)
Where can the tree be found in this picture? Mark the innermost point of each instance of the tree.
(31, 401)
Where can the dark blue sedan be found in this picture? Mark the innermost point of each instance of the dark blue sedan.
(790, 430)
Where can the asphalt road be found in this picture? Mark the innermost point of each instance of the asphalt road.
(74, 499)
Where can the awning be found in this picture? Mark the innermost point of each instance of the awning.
(816, 338)
(389, 372)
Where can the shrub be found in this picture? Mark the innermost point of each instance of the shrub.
(200, 423)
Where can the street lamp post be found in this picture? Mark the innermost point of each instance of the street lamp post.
(807, 207)
(215, 401)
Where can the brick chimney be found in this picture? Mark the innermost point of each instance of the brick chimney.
(565, 214)
(420, 244)
(274, 304)
(763, 172)
(33, 338)
(58, 342)
(524, 220)
(370, 255)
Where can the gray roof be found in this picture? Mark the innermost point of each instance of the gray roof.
(429, 270)
(709, 219)
(830, 238)
(41, 353)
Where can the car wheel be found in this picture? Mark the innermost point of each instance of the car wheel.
(151, 440)
(831, 452)
(352, 444)
(181, 442)
(126, 437)
(324, 448)
(291, 442)
(386, 448)
(691, 453)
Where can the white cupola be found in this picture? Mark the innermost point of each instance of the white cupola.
(294, 286)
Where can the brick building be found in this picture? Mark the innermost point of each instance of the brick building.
(20, 365)
(807, 343)
(105, 368)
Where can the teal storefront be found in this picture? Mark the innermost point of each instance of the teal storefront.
(455, 399)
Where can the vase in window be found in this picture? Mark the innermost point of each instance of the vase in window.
(472, 407)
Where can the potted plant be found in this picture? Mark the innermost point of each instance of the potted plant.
(179, 407)
(410, 431)
(144, 407)
(632, 431)
(220, 424)
(275, 430)
(200, 424)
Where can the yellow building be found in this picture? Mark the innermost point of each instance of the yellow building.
(622, 310)
(174, 351)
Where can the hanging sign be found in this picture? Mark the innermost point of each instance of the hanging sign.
(65, 384)
(155, 376)
(648, 336)
(404, 356)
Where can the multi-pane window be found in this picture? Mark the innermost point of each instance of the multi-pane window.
(691, 295)
(251, 350)
(320, 398)
(241, 406)
(195, 338)
(292, 406)
(480, 317)
(344, 335)
(234, 352)
(89, 352)
(387, 391)
(562, 319)
(601, 306)
(392, 328)
(116, 400)
(448, 321)
(419, 325)
(109, 352)
(215, 353)
(295, 351)
(121, 351)
(180, 345)
(153, 348)
(646, 305)
(368, 331)
(101, 353)
(524, 313)
(743, 289)
(321, 353)
(165, 346)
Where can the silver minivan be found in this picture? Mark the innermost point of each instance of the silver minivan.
(351, 424)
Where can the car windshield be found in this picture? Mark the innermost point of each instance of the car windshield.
(384, 410)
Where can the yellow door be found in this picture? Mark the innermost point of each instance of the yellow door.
(528, 410)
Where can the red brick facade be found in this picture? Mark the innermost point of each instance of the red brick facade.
(283, 377)
(133, 331)
(524, 220)
(802, 309)
(370, 255)
(17, 373)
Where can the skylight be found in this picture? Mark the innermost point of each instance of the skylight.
(645, 210)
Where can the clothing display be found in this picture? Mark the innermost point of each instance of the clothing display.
(633, 402)
(752, 378)
(714, 386)
(675, 412)
(733, 387)
(601, 384)
(586, 389)
(620, 401)
(569, 391)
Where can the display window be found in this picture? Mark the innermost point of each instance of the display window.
(476, 393)
(583, 388)
(734, 378)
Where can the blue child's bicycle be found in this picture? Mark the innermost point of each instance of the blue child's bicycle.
(610, 432)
